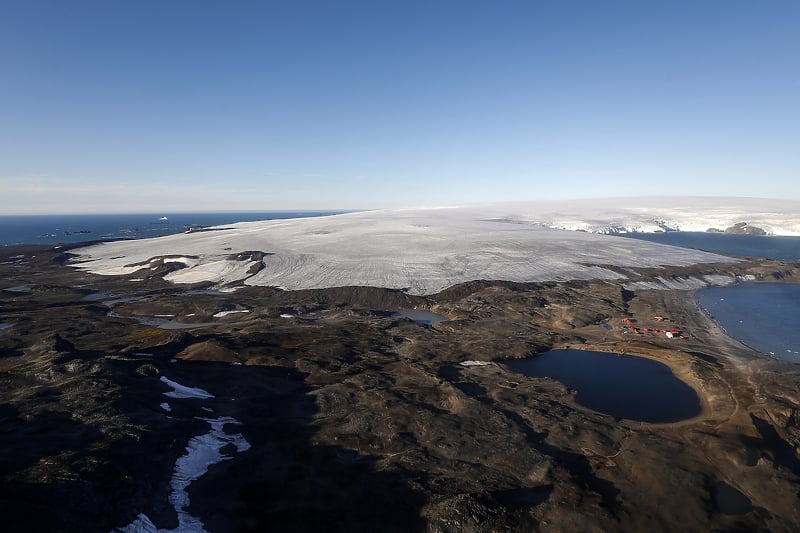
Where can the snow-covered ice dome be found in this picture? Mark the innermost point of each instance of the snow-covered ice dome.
(422, 250)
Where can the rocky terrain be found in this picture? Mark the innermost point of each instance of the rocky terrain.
(357, 420)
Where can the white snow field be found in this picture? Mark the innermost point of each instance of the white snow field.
(424, 251)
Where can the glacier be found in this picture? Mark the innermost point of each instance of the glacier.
(425, 250)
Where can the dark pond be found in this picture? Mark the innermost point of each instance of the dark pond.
(419, 316)
(623, 386)
(765, 316)
(729, 500)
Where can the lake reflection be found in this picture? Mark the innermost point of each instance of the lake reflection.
(623, 386)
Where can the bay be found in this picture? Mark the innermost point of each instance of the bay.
(765, 316)
(768, 247)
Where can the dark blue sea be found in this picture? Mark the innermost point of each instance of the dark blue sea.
(768, 247)
(765, 316)
(58, 229)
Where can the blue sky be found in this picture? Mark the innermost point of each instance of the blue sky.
(147, 106)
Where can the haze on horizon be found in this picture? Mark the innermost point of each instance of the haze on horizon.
(209, 106)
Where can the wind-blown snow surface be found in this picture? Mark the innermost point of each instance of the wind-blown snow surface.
(422, 251)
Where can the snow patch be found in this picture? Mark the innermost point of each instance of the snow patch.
(223, 271)
(226, 313)
(201, 452)
(181, 391)
(142, 524)
(719, 280)
(475, 363)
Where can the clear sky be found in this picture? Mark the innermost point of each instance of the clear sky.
(150, 106)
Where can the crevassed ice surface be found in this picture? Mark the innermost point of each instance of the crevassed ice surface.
(421, 250)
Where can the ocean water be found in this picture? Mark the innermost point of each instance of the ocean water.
(58, 229)
(765, 316)
(768, 247)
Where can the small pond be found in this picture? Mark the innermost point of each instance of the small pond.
(623, 386)
(421, 317)
(5, 325)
